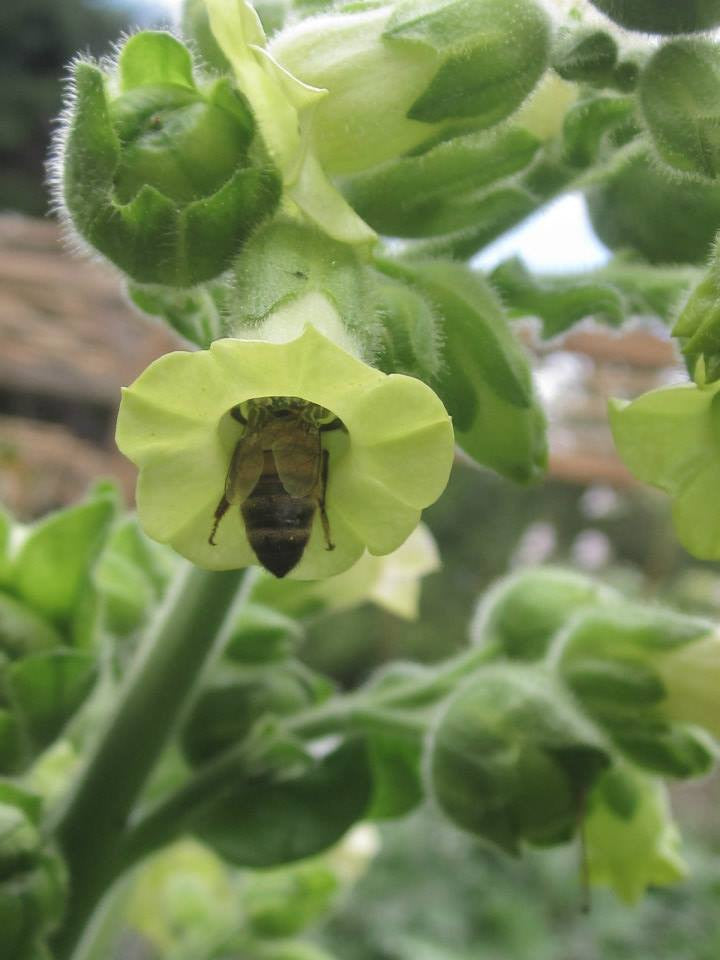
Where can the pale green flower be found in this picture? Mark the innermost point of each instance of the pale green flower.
(670, 438)
(631, 839)
(391, 460)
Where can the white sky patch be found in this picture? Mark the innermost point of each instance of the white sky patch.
(558, 239)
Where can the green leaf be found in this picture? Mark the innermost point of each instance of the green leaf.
(52, 566)
(22, 631)
(679, 96)
(511, 758)
(491, 53)
(662, 16)
(395, 765)
(6, 528)
(47, 688)
(262, 634)
(664, 219)
(196, 314)
(593, 126)
(268, 822)
(560, 302)
(412, 334)
(235, 698)
(486, 383)
(12, 747)
(196, 28)
(441, 190)
(585, 55)
(494, 213)
(154, 57)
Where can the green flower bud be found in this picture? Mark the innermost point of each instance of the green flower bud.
(163, 176)
(631, 841)
(662, 16)
(234, 698)
(698, 326)
(401, 73)
(183, 897)
(679, 95)
(670, 438)
(636, 670)
(512, 758)
(388, 452)
(522, 613)
(19, 841)
(665, 219)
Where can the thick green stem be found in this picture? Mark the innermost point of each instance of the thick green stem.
(190, 629)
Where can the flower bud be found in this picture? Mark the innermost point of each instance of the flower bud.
(522, 613)
(32, 879)
(698, 326)
(163, 176)
(662, 16)
(679, 96)
(631, 841)
(511, 758)
(399, 74)
(639, 673)
(665, 219)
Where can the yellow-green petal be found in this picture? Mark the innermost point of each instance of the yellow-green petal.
(667, 435)
(391, 460)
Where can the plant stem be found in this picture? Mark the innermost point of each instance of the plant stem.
(190, 629)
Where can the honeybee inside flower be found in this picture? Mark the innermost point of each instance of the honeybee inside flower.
(241, 443)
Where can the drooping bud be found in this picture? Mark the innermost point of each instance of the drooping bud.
(400, 73)
(631, 840)
(639, 673)
(662, 16)
(163, 175)
(679, 96)
(512, 758)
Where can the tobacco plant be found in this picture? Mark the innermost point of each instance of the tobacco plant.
(301, 202)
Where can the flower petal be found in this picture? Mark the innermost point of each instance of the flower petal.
(666, 435)
(696, 513)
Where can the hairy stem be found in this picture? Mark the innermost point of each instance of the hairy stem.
(190, 629)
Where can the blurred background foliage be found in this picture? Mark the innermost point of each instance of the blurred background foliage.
(429, 893)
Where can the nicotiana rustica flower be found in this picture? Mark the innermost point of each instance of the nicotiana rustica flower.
(670, 438)
(182, 423)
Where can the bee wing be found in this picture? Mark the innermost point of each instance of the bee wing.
(297, 461)
(245, 468)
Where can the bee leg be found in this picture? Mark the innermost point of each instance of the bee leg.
(321, 501)
(220, 512)
(335, 424)
(236, 414)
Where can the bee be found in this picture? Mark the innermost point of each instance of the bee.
(278, 475)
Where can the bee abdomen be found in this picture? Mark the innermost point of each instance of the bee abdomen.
(278, 526)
